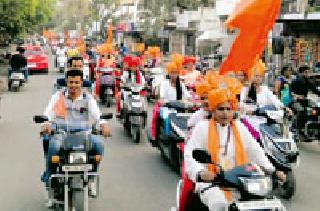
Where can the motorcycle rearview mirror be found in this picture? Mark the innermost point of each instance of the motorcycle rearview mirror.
(202, 156)
(40, 119)
(106, 116)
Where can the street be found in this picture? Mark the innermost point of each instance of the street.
(133, 177)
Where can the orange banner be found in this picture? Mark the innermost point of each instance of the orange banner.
(254, 19)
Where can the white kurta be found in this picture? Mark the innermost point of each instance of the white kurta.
(169, 93)
(191, 77)
(264, 97)
(197, 117)
(214, 197)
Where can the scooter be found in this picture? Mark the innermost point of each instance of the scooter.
(74, 169)
(109, 85)
(133, 113)
(307, 119)
(279, 145)
(16, 79)
(254, 185)
(61, 62)
(172, 130)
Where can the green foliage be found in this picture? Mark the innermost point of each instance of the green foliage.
(21, 16)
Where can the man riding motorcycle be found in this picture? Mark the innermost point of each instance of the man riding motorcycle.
(229, 143)
(72, 106)
(299, 90)
(18, 61)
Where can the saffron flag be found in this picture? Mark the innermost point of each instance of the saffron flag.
(253, 19)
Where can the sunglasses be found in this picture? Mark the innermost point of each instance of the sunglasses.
(224, 109)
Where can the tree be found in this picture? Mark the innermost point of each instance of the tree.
(20, 16)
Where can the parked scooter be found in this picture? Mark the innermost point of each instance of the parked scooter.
(279, 145)
(133, 112)
(16, 79)
(74, 172)
(254, 185)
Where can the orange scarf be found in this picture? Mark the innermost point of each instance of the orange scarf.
(214, 146)
(60, 107)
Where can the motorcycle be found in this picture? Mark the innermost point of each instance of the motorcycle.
(279, 145)
(74, 169)
(86, 69)
(16, 79)
(172, 130)
(307, 118)
(133, 113)
(254, 185)
(61, 62)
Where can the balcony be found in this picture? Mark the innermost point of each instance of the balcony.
(300, 6)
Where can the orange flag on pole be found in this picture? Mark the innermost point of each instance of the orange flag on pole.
(254, 19)
(109, 40)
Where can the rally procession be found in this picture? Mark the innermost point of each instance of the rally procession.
(184, 105)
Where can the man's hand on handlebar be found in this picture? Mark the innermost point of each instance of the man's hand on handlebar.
(206, 176)
(46, 128)
(105, 130)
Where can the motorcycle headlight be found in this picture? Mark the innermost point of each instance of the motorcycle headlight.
(77, 157)
(257, 186)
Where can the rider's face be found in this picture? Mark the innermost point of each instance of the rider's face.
(257, 80)
(74, 84)
(223, 114)
(173, 75)
(77, 64)
(240, 76)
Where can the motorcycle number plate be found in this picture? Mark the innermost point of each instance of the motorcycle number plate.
(253, 205)
(31, 65)
(76, 168)
(16, 83)
(136, 104)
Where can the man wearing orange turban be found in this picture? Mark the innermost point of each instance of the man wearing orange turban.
(192, 75)
(228, 142)
(202, 90)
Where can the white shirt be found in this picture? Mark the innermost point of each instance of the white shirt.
(93, 109)
(264, 97)
(191, 77)
(197, 117)
(169, 93)
(199, 140)
(125, 78)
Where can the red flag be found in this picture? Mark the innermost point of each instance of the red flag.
(254, 19)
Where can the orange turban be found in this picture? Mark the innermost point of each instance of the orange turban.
(202, 89)
(171, 67)
(218, 96)
(258, 69)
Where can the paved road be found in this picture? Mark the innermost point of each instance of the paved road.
(133, 177)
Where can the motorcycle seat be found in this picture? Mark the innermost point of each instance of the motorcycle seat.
(180, 121)
(272, 130)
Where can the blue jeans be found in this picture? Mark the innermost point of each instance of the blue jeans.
(25, 72)
(56, 144)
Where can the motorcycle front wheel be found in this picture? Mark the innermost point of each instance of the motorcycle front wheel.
(287, 190)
